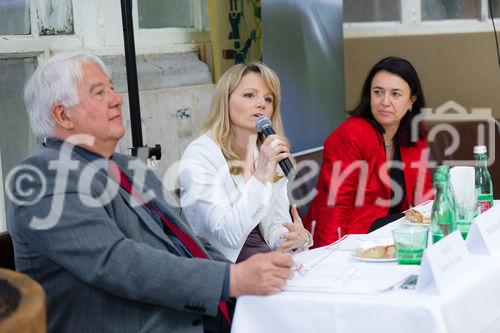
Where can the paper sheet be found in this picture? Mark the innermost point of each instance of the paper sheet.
(351, 278)
(325, 270)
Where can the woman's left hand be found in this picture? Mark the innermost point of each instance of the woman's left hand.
(297, 236)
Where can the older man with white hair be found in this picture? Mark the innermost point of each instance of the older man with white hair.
(97, 229)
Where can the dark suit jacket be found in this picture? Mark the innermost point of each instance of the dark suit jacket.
(106, 265)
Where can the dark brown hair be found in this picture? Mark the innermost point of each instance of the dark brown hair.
(407, 72)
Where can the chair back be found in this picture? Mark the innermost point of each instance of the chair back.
(302, 189)
(22, 304)
(6, 251)
(469, 134)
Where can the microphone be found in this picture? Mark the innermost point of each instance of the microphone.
(265, 127)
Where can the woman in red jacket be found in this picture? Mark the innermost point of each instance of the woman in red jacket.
(375, 163)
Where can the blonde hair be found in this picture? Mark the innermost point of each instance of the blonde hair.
(219, 121)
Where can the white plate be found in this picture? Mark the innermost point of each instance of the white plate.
(415, 224)
(353, 254)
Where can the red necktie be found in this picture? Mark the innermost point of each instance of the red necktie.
(187, 240)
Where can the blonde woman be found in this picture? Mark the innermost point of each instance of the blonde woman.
(232, 190)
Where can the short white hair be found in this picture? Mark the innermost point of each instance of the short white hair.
(55, 81)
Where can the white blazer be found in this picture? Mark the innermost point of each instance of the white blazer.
(223, 208)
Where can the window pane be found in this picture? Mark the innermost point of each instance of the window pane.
(165, 13)
(371, 11)
(495, 4)
(448, 10)
(204, 13)
(55, 17)
(15, 17)
(16, 133)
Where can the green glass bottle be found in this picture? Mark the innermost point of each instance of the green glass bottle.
(445, 169)
(462, 224)
(443, 212)
(484, 186)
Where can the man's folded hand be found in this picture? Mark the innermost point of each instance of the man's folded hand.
(261, 274)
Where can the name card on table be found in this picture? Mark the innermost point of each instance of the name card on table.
(444, 263)
(484, 233)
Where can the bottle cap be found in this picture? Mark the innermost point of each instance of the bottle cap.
(480, 150)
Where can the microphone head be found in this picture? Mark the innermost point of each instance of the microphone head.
(262, 121)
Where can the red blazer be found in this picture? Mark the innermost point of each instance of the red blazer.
(354, 181)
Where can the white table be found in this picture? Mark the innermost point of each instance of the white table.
(473, 307)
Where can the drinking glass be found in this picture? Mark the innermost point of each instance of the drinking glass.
(410, 244)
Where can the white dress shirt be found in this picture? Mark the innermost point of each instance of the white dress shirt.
(223, 208)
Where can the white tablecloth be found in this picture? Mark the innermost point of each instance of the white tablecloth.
(474, 306)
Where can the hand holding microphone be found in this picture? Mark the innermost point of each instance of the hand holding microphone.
(274, 149)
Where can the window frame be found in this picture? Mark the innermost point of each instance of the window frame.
(174, 35)
(412, 24)
(103, 33)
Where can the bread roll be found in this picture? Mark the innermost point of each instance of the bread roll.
(376, 250)
(420, 214)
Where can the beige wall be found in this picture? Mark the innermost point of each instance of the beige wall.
(460, 67)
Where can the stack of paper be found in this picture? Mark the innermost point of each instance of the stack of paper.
(351, 278)
(326, 270)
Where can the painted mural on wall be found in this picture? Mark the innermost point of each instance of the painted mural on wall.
(236, 32)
